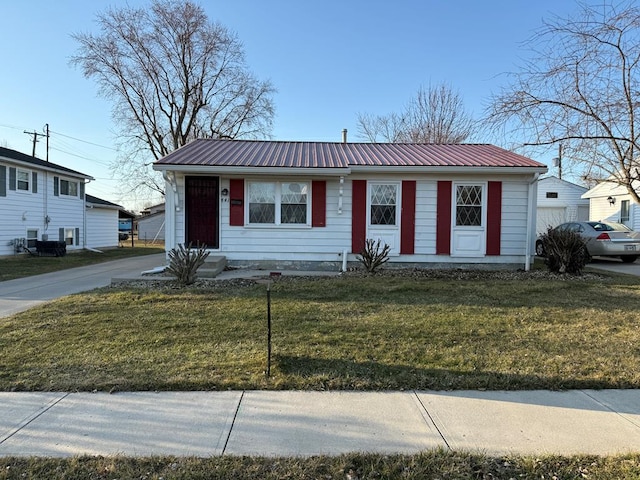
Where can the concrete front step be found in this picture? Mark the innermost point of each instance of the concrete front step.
(213, 265)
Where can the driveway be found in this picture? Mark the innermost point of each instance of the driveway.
(615, 265)
(23, 293)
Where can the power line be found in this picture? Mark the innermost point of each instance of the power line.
(85, 141)
(105, 164)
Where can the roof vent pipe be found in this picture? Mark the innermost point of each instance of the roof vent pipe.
(344, 135)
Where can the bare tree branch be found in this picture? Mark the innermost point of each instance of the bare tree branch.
(434, 115)
(581, 89)
(173, 76)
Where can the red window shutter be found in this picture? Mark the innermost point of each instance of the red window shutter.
(494, 217)
(443, 218)
(236, 197)
(408, 217)
(358, 215)
(318, 203)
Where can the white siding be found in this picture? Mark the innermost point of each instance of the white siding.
(65, 211)
(151, 227)
(286, 243)
(21, 211)
(102, 227)
(254, 245)
(566, 207)
(602, 210)
(426, 202)
(513, 235)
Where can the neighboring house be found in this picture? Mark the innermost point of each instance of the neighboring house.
(153, 209)
(611, 202)
(275, 204)
(102, 222)
(559, 201)
(151, 224)
(39, 200)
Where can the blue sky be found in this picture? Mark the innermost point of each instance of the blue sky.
(328, 59)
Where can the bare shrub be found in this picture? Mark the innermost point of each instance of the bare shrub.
(374, 254)
(565, 251)
(184, 262)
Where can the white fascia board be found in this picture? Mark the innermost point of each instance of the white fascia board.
(274, 171)
(103, 206)
(449, 170)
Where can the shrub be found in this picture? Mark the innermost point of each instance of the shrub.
(566, 251)
(372, 257)
(184, 263)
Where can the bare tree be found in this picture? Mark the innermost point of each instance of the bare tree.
(435, 115)
(581, 89)
(173, 76)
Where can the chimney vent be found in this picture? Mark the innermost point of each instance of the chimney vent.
(344, 135)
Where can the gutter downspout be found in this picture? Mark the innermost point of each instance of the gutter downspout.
(532, 189)
(84, 216)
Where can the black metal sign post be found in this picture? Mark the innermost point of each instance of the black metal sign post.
(268, 329)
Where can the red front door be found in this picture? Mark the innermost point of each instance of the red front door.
(202, 209)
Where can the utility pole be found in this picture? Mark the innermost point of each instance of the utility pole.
(46, 131)
(557, 162)
(35, 139)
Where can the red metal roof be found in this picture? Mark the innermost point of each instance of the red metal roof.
(282, 154)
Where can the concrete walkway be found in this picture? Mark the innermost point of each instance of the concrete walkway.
(23, 293)
(295, 423)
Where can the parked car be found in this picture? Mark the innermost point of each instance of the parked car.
(603, 239)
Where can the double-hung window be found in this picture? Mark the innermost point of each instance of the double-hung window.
(32, 238)
(69, 236)
(68, 187)
(22, 180)
(624, 211)
(278, 203)
(468, 205)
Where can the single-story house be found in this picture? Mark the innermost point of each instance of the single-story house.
(151, 224)
(611, 202)
(279, 204)
(103, 219)
(40, 200)
(560, 201)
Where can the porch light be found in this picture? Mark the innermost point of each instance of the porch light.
(611, 200)
(225, 192)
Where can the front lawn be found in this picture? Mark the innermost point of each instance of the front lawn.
(451, 331)
(24, 265)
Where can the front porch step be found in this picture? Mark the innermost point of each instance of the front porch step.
(212, 266)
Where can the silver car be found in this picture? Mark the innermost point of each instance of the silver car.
(603, 239)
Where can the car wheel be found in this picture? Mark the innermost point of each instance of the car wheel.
(539, 248)
(628, 258)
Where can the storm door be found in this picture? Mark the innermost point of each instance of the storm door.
(202, 211)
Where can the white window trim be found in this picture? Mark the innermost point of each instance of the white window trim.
(398, 205)
(483, 204)
(73, 236)
(29, 180)
(68, 182)
(27, 238)
(278, 193)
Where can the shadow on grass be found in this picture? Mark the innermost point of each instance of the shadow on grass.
(344, 374)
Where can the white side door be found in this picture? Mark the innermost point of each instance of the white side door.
(468, 233)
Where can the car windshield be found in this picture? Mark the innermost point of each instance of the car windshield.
(608, 227)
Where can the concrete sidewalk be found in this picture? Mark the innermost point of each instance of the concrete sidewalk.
(295, 423)
(23, 293)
